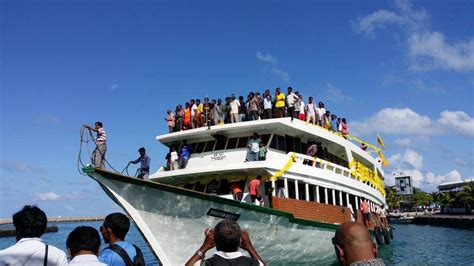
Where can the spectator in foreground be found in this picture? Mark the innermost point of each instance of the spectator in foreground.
(30, 224)
(83, 245)
(226, 237)
(119, 252)
(353, 246)
(144, 160)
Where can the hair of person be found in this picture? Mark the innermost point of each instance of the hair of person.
(99, 124)
(142, 149)
(344, 120)
(259, 177)
(29, 222)
(83, 238)
(227, 236)
(290, 89)
(118, 223)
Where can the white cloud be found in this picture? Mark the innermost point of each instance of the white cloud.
(426, 49)
(408, 158)
(47, 196)
(403, 142)
(430, 50)
(406, 17)
(335, 95)
(21, 167)
(457, 121)
(273, 65)
(404, 121)
(46, 120)
(428, 181)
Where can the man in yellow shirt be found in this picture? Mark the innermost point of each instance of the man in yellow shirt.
(279, 103)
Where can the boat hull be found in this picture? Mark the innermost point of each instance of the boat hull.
(172, 221)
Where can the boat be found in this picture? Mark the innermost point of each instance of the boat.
(172, 208)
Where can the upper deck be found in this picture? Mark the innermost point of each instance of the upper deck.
(281, 135)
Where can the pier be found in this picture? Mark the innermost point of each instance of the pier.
(63, 219)
(457, 221)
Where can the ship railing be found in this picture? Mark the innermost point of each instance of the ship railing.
(322, 164)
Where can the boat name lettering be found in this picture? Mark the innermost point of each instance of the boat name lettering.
(223, 214)
(218, 156)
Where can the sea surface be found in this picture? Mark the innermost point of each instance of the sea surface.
(412, 244)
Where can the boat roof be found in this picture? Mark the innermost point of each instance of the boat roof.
(455, 184)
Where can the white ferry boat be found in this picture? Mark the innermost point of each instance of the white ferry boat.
(172, 209)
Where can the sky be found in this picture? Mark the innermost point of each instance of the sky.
(403, 69)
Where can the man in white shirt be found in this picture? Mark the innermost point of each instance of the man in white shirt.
(311, 111)
(291, 99)
(83, 245)
(234, 110)
(193, 113)
(267, 105)
(320, 112)
(30, 224)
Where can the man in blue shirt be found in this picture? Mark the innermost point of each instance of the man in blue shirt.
(144, 160)
(114, 229)
(334, 123)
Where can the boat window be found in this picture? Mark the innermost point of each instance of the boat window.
(301, 191)
(322, 195)
(232, 143)
(297, 145)
(312, 191)
(224, 187)
(265, 139)
(330, 201)
(210, 145)
(220, 144)
(199, 147)
(273, 144)
(243, 141)
(199, 187)
(189, 186)
(291, 189)
(290, 143)
(281, 144)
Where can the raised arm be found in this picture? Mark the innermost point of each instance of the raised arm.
(247, 245)
(206, 245)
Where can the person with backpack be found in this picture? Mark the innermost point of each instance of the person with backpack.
(119, 252)
(227, 237)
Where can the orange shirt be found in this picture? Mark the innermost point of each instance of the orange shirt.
(235, 188)
(253, 187)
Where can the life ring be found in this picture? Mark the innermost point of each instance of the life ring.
(386, 236)
(378, 235)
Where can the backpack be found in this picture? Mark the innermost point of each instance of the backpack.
(137, 261)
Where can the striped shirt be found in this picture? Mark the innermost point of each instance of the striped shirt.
(101, 136)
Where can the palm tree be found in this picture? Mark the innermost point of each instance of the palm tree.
(466, 195)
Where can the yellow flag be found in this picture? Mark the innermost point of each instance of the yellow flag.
(384, 162)
(380, 141)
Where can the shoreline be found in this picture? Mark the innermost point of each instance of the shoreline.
(63, 219)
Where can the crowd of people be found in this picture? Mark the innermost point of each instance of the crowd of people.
(83, 243)
(196, 114)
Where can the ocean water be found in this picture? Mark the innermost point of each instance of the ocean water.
(412, 244)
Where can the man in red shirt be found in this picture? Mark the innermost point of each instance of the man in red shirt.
(253, 188)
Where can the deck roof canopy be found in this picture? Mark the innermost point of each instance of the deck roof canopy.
(455, 184)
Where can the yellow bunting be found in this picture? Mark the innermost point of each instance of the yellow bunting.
(384, 161)
(380, 141)
(285, 168)
(366, 175)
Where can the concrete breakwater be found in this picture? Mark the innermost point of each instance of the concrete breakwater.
(63, 219)
(457, 221)
(11, 231)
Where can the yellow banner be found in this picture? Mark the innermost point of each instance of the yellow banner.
(285, 168)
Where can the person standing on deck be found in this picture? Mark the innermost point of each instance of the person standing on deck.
(253, 189)
(279, 104)
(170, 119)
(253, 148)
(234, 110)
(113, 230)
(311, 111)
(291, 99)
(144, 170)
(98, 155)
(236, 191)
(320, 112)
(364, 206)
(267, 105)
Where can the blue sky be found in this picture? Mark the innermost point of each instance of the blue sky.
(404, 69)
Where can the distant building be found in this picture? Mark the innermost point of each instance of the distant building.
(455, 185)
